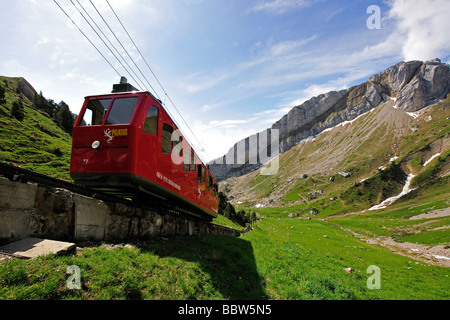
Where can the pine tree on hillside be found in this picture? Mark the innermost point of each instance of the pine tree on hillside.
(41, 103)
(2, 95)
(65, 117)
(17, 110)
(222, 203)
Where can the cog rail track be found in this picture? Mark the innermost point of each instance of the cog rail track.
(18, 174)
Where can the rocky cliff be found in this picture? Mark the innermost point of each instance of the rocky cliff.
(26, 89)
(413, 85)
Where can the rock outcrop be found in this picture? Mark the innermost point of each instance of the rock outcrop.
(414, 85)
(26, 89)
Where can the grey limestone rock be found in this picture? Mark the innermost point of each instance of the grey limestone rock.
(414, 85)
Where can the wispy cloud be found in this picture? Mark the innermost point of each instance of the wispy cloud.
(282, 6)
(212, 106)
(199, 82)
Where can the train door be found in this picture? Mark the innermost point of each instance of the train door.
(149, 146)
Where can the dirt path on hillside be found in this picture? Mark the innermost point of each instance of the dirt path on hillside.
(436, 255)
(432, 214)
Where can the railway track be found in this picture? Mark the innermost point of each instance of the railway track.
(18, 174)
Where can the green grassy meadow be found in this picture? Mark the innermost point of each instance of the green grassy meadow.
(283, 258)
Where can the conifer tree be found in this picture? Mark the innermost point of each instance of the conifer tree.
(17, 110)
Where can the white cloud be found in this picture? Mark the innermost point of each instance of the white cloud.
(227, 123)
(118, 5)
(43, 40)
(13, 68)
(286, 47)
(282, 6)
(199, 82)
(422, 28)
(208, 107)
(68, 76)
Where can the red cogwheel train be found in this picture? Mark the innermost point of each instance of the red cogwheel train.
(126, 144)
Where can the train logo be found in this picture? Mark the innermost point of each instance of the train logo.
(108, 135)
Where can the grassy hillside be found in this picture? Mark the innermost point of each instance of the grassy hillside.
(34, 142)
(401, 221)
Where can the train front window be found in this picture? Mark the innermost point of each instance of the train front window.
(95, 112)
(122, 110)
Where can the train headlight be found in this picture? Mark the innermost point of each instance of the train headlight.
(95, 144)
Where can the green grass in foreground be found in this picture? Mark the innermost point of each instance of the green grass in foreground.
(282, 258)
(209, 267)
(304, 264)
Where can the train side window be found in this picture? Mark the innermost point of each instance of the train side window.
(208, 183)
(216, 188)
(151, 122)
(199, 173)
(95, 112)
(167, 138)
(122, 110)
(203, 174)
(192, 160)
(186, 161)
(177, 140)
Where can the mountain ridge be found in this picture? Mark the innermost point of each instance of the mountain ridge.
(412, 85)
(355, 165)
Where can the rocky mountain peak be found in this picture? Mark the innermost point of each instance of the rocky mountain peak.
(413, 84)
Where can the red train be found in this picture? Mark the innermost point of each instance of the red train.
(125, 143)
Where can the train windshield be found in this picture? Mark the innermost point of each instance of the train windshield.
(121, 111)
(95, 112)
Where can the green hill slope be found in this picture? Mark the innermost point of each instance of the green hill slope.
(31, 140)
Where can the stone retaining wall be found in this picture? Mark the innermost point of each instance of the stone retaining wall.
(29, 210)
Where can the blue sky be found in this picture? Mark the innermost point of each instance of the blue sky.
(232, 67)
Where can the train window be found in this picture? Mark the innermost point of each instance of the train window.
(167, 138)
(201, 173)
(208, 183)
(216, 188)
(186, 161)
(177, 140)
(151, 122)
(192, 160)
(95, 112)
(122, 110)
